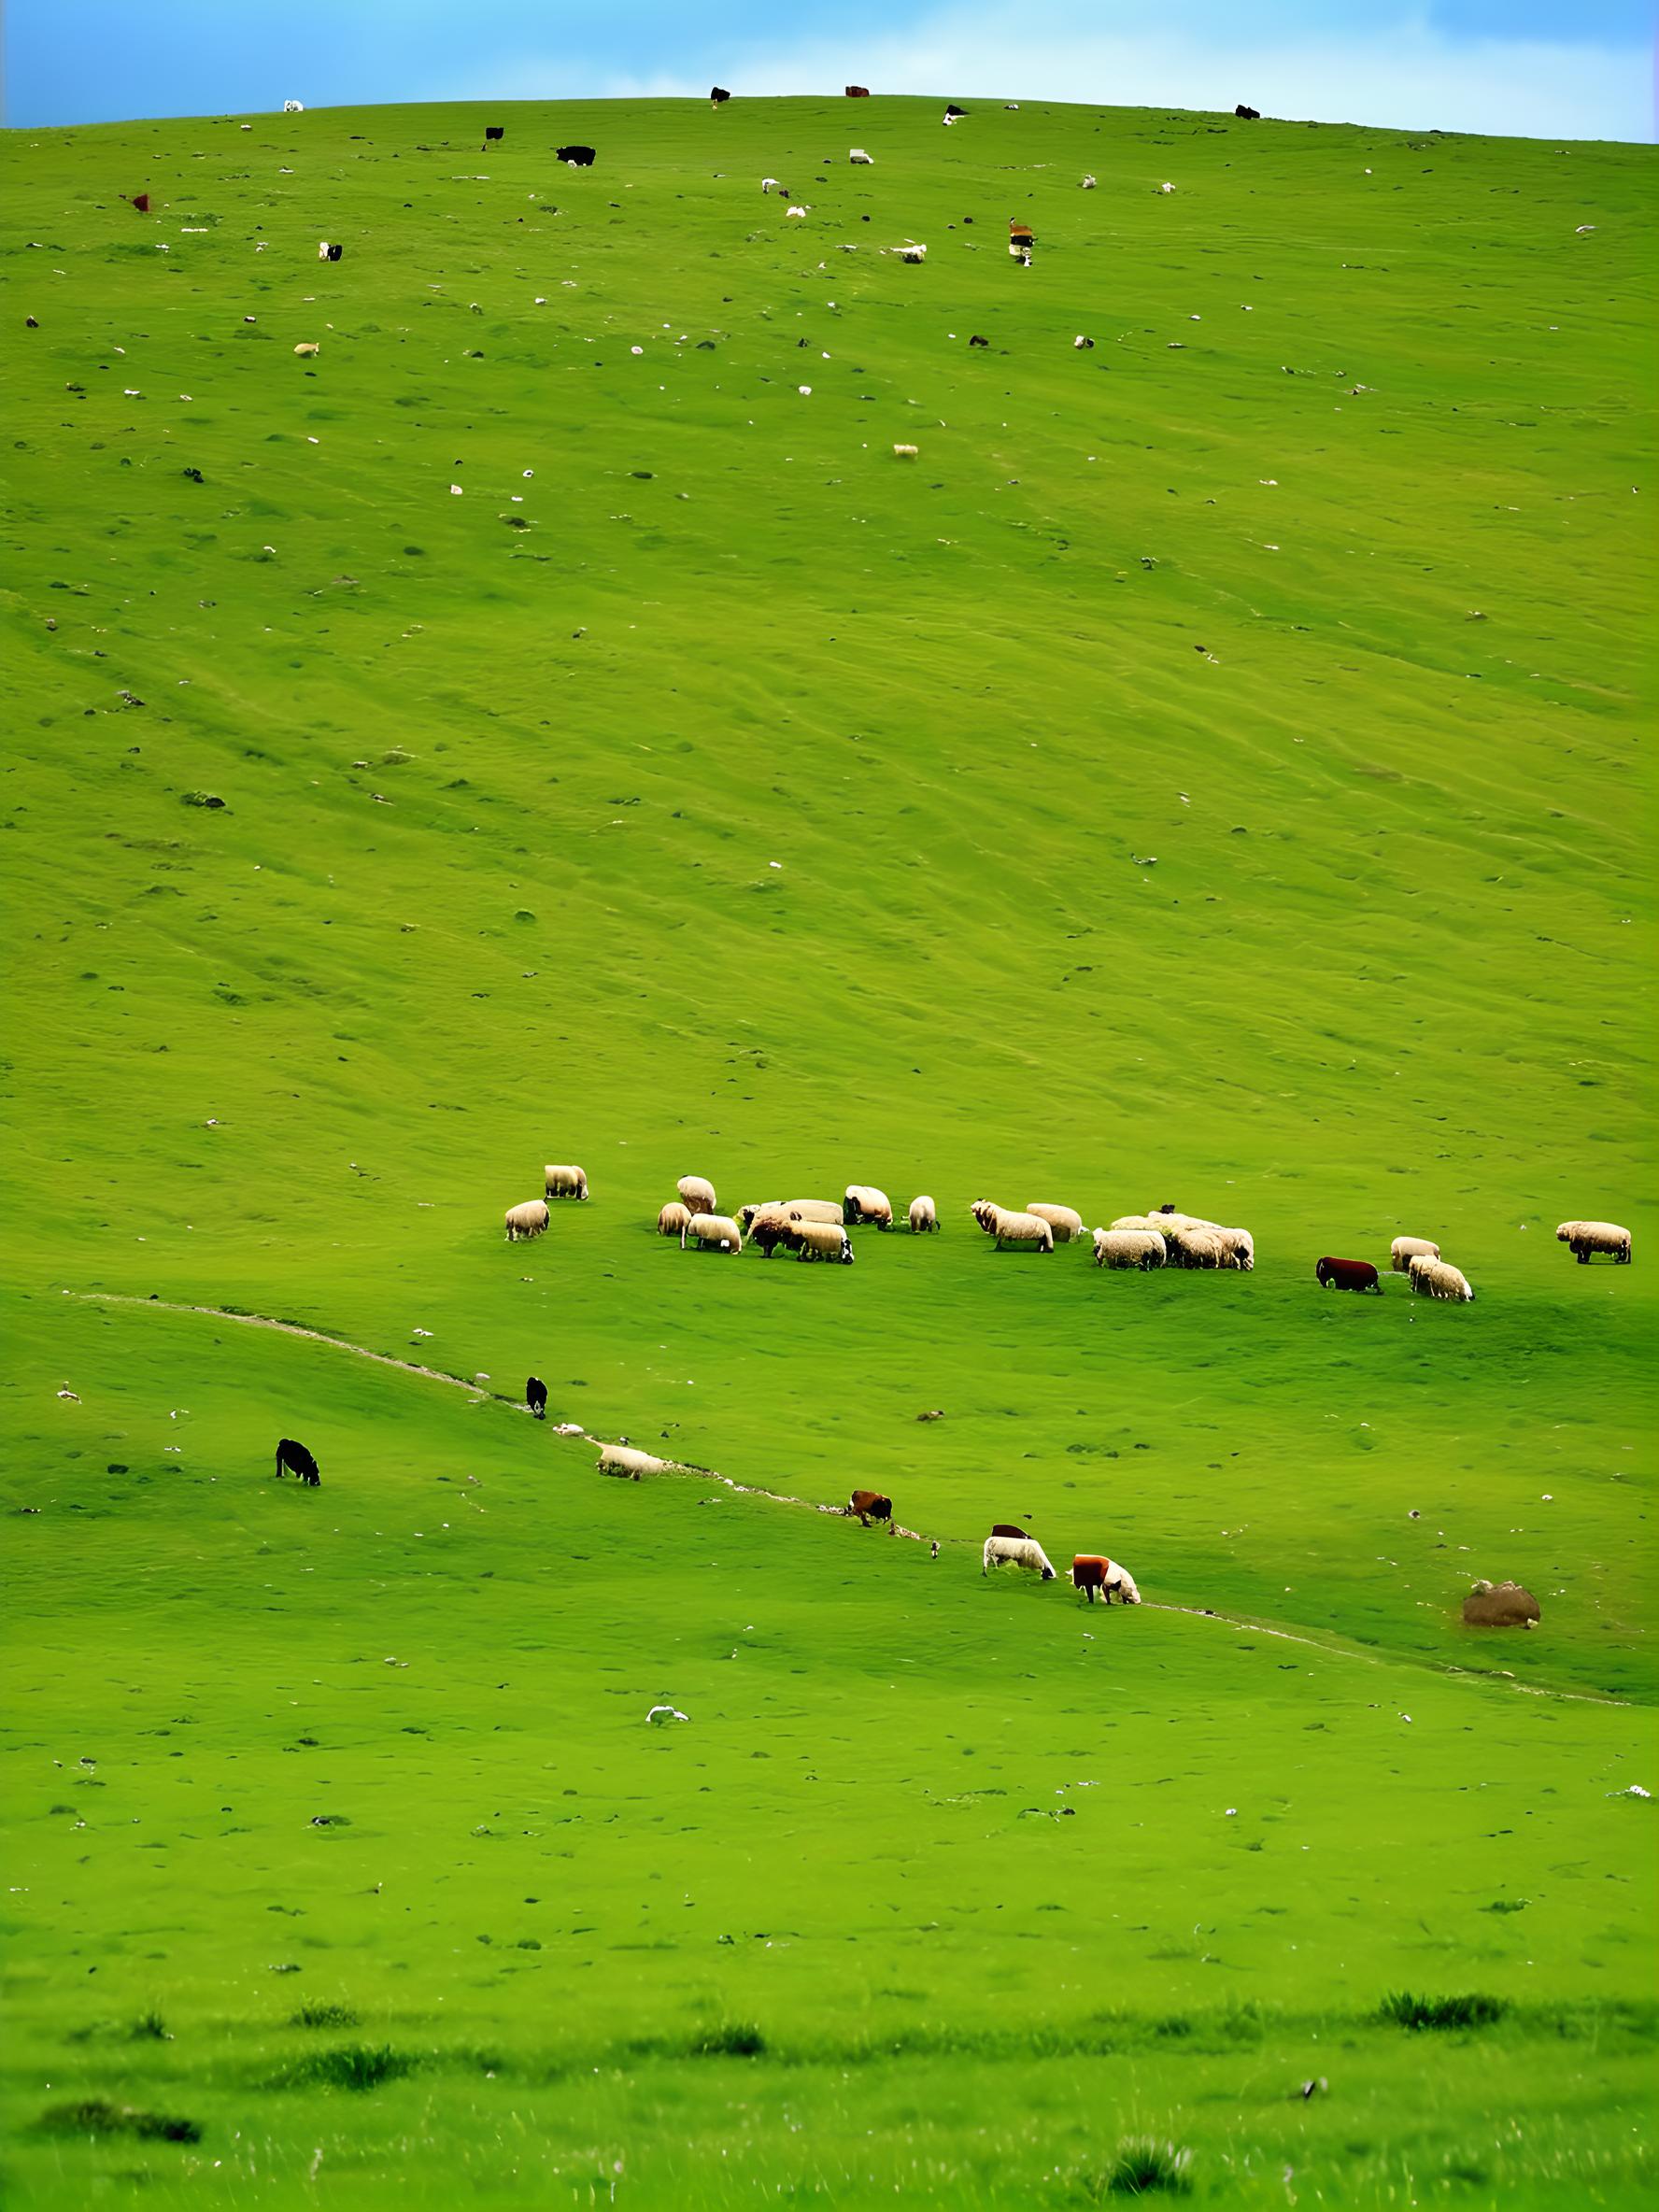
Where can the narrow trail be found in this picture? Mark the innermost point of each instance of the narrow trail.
(1329, 1646)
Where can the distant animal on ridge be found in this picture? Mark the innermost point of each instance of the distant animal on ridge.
(1247, 115)
(718, 96)
(293, 1459)
(493, 131)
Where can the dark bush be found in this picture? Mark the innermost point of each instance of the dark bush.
(732, 2039)
(356, 2066)
(324, 2016)
(1401, 2010)
(97, 2116)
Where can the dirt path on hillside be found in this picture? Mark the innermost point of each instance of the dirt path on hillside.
(1329, 1646)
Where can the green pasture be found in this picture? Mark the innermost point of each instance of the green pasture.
(1211, 773)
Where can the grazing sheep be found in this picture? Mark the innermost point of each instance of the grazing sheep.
(673, 1219)
(307, 347)
(1129, 1248)
(716, 1232)
(1158, 1224)
(923, 1217)
(1438, 1278)
(1237, 1248)
(799, 212)
(698, 1193)
(1088, 185)
(1500, 1605)
(1404, 1250)
(1583, 1238)
(859, 158)
(907, 453)
(1093, 1570)
(814, 1210)
(818, 1239)
(865, 1203)
(766, 1228)
(1013, 1228)
(294, 1458)
(1011, 1550)
(771, 184)
(1065, 1221)
(622, 1459)
(911, 253)
(527, 1220)
(566, 1182)
(1195, 1248)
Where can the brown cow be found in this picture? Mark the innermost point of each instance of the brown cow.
(1348, 1274)
(865, 1505)
(857, 91)
(1092, 1571)
(1500, 1605)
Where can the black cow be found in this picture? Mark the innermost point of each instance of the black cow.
(535, 1396)
(334, 252)
(718, 96)
(951, 109)
(493, 131)
(977, 340)
(1247, 115)
(293, 1459)
(141, 200)
(579, 157)
(857, 91)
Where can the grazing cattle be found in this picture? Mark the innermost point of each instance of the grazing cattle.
(718, 96)
(857, 91)
(141, 200)
(952, 110)
(1500, 1605)
(865, 1505)
(1093, 1570)
(977, 340)
(1007, 1528)
(535, 1396)
(1247, 115)
(576, 157)
(293, 1459)
(493, 131)
(1010, 1550)
(1348, 1274)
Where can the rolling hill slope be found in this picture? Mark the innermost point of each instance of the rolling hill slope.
(551, 723)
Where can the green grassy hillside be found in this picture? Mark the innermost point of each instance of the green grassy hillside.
(1211, 773)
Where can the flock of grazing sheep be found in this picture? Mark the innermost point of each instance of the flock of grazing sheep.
(817, 1229)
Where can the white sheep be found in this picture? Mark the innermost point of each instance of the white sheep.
(819, 1240)
(1439, 1279)
(527, 1220)
(1088, 185)
(1585, 1237)
(923, 1217)
(622, 1459)
(799, 212)
(716, 1232)
(814, 1210)
(1065, 1221)
(566, 1182)
(698, 1193)
(1157, 1223)
(1015, 1550)
(1404, 1250)
(1237, 1249)
(1129, 1248)
(674, 1218)
(859, 157)
(1013, 1228)
(1195, 1248)
(865, 1203)
(907, 453)
(307, 349)
(771, 184)
(910, 252)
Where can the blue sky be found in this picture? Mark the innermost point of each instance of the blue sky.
(1541, 68)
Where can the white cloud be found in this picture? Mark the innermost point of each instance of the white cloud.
(1406, 74)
